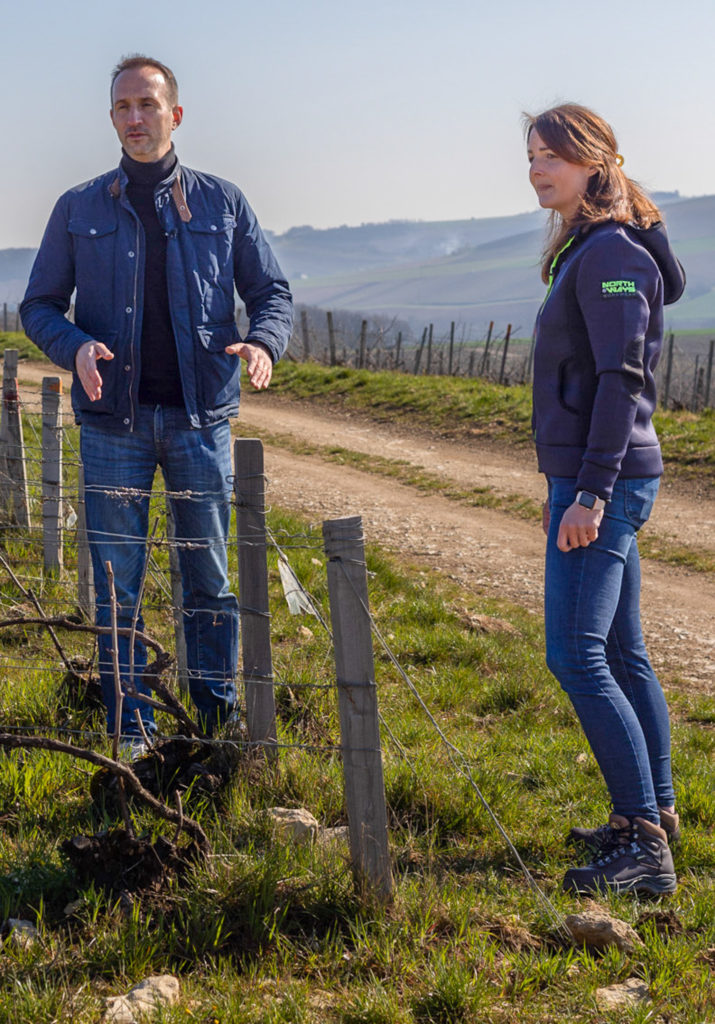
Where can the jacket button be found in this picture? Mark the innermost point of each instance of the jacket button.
(128, 309)
(126, 423)
(127, 368)
(93, 231)
(213, 227)
(130, 254)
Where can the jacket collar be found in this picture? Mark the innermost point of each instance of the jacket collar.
(119, 184)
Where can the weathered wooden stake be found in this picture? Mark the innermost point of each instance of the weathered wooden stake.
(177, 602)
(85, 576)
(504, 352)
(305, 333)
(363, 344)
(418, 357)
(357, 697)
(708, 376)
(451, 348)
(485, 355)
(13, 494)
(668, 371)
(253, 592)
(398, 346)
(52, 526)
(429, 349)
(331, 339)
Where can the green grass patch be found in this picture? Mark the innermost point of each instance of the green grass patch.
(25, 348)
(265, 931)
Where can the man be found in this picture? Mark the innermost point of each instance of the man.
(154, 250)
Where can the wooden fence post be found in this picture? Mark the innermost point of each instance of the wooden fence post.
(668, 371)
(697, 380)
(85, 577)
(4, 316)
(418, 357)
(363, 344)
(357, 699)
(530, 360)
(306, 334)
(14, 494)
(331, 339)
(52, 531)
(398, 346)
(451, 349)
(253, 593)
(507, 336)
(708, 376)
(429, 350)
(177, 602)
(485, 354)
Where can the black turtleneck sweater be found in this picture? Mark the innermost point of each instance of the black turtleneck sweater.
(160, 382)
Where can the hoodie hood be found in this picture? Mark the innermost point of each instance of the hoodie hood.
(655, 240)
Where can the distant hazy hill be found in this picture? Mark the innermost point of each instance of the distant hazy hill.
(471, 271)
(489, 276)
(15, 266)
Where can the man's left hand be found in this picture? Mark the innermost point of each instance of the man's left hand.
(258, 362)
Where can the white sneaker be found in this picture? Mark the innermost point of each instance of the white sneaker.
(131, 748)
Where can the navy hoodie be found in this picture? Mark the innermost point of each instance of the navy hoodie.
(598, 339)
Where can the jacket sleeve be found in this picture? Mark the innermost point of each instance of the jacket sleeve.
(261, 285)
(618, 287)
(49, 291)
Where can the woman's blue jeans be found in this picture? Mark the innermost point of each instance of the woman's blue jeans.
(595, 648)
(119, 472)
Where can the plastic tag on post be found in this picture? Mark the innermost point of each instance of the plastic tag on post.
(298, 601)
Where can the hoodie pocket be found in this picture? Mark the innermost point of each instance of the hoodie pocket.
(569, 386)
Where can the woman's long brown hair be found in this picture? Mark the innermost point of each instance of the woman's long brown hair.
(580, 136)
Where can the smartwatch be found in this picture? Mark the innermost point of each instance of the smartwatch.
(590, 501)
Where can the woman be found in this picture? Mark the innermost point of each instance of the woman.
(609, 270)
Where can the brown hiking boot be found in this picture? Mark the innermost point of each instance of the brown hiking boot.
(635, 859)
(592, 839)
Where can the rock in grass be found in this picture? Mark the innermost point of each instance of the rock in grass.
(631, 993)
(21, 933)
(599, 930)
(339, 834)
(142, 1000)
(294, 823)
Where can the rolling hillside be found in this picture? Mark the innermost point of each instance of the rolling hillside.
(471, 271)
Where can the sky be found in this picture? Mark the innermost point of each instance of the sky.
(329, 113)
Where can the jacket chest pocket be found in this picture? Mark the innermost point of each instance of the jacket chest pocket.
(94, 242)
(212, 242)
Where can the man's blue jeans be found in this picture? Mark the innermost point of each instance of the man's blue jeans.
(595, 648)
(119, 471)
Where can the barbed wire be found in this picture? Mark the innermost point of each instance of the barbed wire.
(459, 760)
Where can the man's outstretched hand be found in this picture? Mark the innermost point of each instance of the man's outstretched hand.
(258, 362)
(86, 364)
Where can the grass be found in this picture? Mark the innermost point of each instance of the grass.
(25, 348)
(265, 931)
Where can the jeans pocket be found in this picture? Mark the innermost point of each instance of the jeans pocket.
(639, 497)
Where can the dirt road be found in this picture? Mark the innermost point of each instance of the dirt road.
(487, 551)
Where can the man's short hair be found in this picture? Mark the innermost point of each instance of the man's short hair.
(139, 60)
